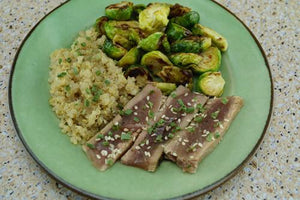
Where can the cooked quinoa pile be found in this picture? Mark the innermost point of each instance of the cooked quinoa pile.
(87, 88)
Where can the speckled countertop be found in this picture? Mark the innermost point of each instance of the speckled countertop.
(272, 173)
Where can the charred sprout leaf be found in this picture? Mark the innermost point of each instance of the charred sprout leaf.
(137, 9)
(130, 58)
(216, 38)
(155, 60)
(178, 10)
(127, 29)
(152, 42)
(113, 50)
(166, 88)
(193, 44)
(187, 20)
(123, 41)
(211, 61)
(185, 59)
(138, 70)
(99, 25)
(211, 83)
(172, 74)
(155, 17)
(165, 44)
(119, 11)
(177, 32)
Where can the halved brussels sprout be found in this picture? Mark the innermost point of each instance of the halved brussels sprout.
(138, 70)
(211, 83)
(187, 20)
(99, 25)
(130, 58)
(119, 11)
(128, 29)
(155, 17)
(172, 74)
(165, 44)
(123, 41)
(137, 9)
(177, 32)
(155, 60)
(166, 88)
(178, 10)
(113, 50)
(211, 61)
(152, 42)
(217, 39)
(186, 59)
(193, 44)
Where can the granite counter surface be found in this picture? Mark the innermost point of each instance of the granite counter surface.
(274, 170)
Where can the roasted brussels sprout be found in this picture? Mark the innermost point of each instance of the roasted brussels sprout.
(113, 50)
(211, 83)
(138, 70)
(127, 29)
(123, 41)
(211, 61)
(155, 60)
(187, 20)
(130, 58)
(152, 42)
(165, 44)
(166, 88)
(172, 74)
(155, 17)
(177, 32)
(137, 9)
(178, 10)
(186, 59)
(217, 39)
(99, 25)
(119, 11)
(193, 44)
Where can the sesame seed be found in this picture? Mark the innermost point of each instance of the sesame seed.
(226, 120)
(148, 98)
(137, 147)
(136, 107)
(221, 126)
(147, 142)
(196, 93)
(168, 128)
(163, 116)
(142, 144)
(179, 120)
(144, 128)
(98, 139)
(193, 100)
(134, 138)
(183, 114)
(149, 147)
(167, 118)
(189, 104)
(186, 94)
(166, 137)
(147, 106)
(174, 154)
(183, 143)
(213, 138)
(147, 119)
(191, 157)
(117, 136)
(193, 124)
(117, 123)
(180, 139)
(170, 106)
(104, 153)
(200, 145)
(135, 113)
(147, 153)
(154, 118)
(125, 129)
(98, 156)
(185, 140)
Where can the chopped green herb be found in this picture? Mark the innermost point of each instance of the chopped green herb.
(170, 135)
(78, 52)
(198, 119)
(87, 103)
(151, 114)
(105, 143)
(62, 74)
(217, 135)
(115, 127)
(94, 88)
(88, 91)
(151, 92)
(110, 133)
(83, 44)
(136, 119)
(107, 82)
(177, 128)
(69, 60)
(224, 100)
(150, 104)
(209, 137)
(75, 70)
(172, 124)
(120, 106)
(109, 162)
(215, 114)
(191, 129)
(173, 95)
(126, 136)
(200, 108)
(159, 138)
(59, 61)
(217, 124)
(149, 130)
(180, 102)
(67, 88)
(128, 112)
(97, 95)
(75, 43)
(98, 72)
(91, 146)
(88, 38)
(100, 136)
(160, 122)
(190, 109)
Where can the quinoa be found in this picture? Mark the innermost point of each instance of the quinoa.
(87, 89)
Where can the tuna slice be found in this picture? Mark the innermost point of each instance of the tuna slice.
(117, 136)
(190, 147)
(178, 110)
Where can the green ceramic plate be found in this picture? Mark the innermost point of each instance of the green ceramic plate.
(246, 73)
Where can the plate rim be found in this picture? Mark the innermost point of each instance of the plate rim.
(95, 196)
